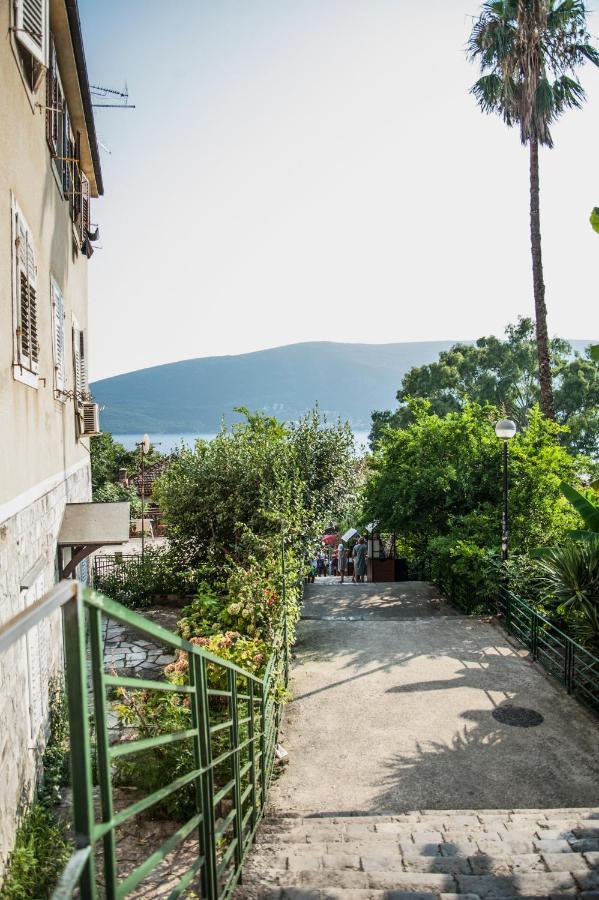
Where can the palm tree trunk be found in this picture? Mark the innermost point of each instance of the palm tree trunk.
(545, 383)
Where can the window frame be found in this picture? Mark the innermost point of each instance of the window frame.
(58, 337)
(25, 367)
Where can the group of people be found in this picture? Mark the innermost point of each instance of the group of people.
(338, 562)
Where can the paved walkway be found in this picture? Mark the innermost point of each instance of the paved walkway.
(392, 710)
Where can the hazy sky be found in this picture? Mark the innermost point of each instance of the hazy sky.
(316, 170)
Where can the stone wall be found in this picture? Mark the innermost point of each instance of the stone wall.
(25, 538)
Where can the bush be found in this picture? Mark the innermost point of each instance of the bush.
(136, 584)
(40, 853)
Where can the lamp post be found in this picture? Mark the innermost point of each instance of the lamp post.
(505, 429)
(144, 447)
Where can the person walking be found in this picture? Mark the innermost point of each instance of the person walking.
(359, 556)
(342, 561)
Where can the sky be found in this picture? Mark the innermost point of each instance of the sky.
(299, 170)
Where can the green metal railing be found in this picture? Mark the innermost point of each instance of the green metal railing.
(230, 787)
(572, 664)
(575, 666)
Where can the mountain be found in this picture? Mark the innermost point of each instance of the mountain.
(193, 396)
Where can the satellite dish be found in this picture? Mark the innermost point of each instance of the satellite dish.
(145, 443)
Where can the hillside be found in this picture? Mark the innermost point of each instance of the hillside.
(347, 380)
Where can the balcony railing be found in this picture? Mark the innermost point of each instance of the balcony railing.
(230, 787)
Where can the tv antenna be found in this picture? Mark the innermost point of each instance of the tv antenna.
(97, 90)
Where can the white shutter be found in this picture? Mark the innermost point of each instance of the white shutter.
(85, 223)
(83, 358)
(31, 27)
(26, 291)
(59, 348)
(80, 363)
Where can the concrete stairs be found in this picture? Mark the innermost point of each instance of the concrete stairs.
(426, 855)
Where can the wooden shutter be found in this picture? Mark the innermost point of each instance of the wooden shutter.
(52, 101)
(85, 222)
(31, 17)
(58, 319)
(80, 364)
(27, 336)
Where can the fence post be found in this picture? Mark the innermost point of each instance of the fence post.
(263, 773)
(102, 752)
(569, 666)
(204, 842)
(284, 597)
(534, 634)
(236, 770)
(201, 700)
(252, 746)
(80, 749)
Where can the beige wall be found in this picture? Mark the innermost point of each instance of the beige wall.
(37, 431)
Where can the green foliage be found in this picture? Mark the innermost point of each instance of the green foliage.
(588, 511)
(529, 53)
(41, 848)
(571, 575)
(38, 857)
(108, 457)
(442, 476)
(226, 499)
(594, 218)
(503, 373)
(136, 584)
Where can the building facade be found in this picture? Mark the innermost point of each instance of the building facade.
(49, 175)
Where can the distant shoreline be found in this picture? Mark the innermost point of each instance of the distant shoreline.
(166, 443)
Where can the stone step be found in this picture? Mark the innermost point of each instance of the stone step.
(545, 884)
(440, 843)
(375, 858)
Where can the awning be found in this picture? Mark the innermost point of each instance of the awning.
(87, 527)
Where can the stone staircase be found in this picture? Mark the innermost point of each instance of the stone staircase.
(426, 855)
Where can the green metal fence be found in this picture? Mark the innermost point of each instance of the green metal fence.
(572, 664)
(230, 786)
(575, 666)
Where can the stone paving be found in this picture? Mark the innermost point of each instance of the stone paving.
(128, 652)
(402, 782)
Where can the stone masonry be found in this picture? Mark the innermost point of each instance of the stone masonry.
(25, 538)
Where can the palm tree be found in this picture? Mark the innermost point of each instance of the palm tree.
(529, 51)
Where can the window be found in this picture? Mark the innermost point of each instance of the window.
(31, 17)
(80, 364)
(25, 293)
(64, 146)
(58, 317)
(31, 34)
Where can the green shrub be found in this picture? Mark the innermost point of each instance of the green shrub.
(40, 853)
(136, 584)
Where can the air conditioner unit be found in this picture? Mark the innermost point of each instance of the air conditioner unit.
(91, 419)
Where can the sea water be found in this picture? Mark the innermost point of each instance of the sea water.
(166, 443)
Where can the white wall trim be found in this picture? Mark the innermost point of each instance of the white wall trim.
(22, 501)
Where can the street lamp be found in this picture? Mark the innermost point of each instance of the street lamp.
(505, 430)
(144, 447)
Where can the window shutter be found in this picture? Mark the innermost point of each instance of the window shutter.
(80, 364)
(85, 222)
(58, 316)
(31, 18)
(52, 101)
(27, 336)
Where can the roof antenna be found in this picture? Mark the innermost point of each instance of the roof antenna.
(97, 90)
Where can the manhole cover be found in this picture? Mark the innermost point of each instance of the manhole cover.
(518, 716)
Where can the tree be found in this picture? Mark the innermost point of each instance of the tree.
(229, 500)
(529, 51)
(504, 373)
(441, 478)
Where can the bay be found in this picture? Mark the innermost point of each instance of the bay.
(166, 443)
